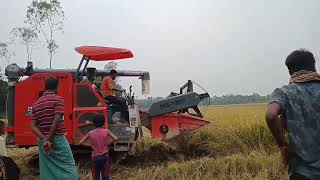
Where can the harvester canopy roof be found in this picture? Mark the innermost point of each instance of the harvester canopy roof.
(100, 53)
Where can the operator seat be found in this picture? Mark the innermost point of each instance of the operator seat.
(112, 108)
(111, 104)
(115, 115)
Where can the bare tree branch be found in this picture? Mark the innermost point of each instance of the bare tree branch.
(46, 17)
(5, 52)
(27, 36)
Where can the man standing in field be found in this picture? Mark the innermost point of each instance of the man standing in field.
(298, 105)
(55, 156)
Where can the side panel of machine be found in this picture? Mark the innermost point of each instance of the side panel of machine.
(87, 104)
(174, 103)
(170, 125)
(26, 94)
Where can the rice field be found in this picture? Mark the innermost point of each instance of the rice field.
(235, 145)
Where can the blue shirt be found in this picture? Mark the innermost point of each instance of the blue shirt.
(300, 103)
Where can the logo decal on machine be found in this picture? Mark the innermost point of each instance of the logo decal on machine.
(29, 111)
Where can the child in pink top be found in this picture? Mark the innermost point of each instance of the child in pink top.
(99, 143)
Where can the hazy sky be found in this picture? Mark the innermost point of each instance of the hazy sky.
(229, 46)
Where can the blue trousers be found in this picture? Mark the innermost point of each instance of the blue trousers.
(100, 168)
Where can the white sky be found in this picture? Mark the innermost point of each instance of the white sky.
(228, 46)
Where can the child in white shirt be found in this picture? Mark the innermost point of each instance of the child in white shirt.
(3, 150)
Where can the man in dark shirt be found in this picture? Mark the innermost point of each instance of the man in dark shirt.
(55, 156)
(299, 106)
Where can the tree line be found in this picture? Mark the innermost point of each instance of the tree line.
(239, 99)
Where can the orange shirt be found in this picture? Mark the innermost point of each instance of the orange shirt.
(107, 86)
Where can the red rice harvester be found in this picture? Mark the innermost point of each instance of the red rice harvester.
(165, 119)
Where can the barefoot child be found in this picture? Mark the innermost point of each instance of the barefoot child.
(99, 143)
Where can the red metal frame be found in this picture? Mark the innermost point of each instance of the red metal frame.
(77, 134)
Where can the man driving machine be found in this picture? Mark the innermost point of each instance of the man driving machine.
(107, 90)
